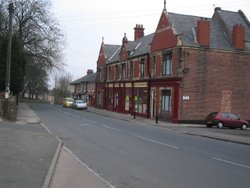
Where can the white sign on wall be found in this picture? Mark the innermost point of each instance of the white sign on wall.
(185, 98)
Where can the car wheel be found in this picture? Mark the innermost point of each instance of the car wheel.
(244, 127)
(220, 125)
(209, 126)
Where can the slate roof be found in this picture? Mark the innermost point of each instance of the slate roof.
(110, 49)
(220, 36)
(220, 32)
(231, 18)
(86, 78)
(136, 48)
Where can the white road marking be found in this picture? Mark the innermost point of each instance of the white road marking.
(67, 113)
(46, 128)
(230, 162)
(156, 142)
(114, 129)
(87, 167)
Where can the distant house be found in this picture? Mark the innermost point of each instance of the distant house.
(84, 87)
(188, 67)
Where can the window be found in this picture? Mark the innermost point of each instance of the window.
(116, 72)
(123, 71)
(99, 74)
(109, 73)
(142, 67)
(154, 67)
(167, 64)
(165, 100)
(131, 69)
(234, 117)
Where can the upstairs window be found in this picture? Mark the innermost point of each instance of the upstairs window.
(154, 67)
(123, 71)
(116, 72)
(142, 68)
(109, 72)
(131, 69)
(167, 64)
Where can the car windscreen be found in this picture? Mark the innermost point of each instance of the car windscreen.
(78, 101)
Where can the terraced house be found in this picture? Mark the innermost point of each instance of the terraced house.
(84, 88)
(188, 67)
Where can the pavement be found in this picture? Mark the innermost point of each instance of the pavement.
(32, 157)
(27, 151)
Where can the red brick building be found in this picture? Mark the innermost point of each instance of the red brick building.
(189, 67)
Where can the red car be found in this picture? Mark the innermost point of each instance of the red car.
(226, 119)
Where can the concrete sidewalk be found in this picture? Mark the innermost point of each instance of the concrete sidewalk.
(71, 172)
(27, 151)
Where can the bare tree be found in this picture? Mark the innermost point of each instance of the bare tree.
(62, 87)
(36, 81)
(39, 33)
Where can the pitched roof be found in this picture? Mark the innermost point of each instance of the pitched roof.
(136, 48)
(231, 18)
(86, 78)
(221, 28)
(110, 50)
(185, 25)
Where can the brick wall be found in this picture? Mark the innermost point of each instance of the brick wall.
(136, 69)
(216, 81)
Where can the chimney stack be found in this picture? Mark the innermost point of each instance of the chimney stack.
(203, 32)
(238, 37)
(139, 31)
(90, 71)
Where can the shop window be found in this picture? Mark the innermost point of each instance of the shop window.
(167, 64)
(128, 99)
(165, 100)
(110, 97)
(140, 101)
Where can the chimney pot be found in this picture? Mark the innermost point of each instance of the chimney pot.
(138, 31)
(90, 71)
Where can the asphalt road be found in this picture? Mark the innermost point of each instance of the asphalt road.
(128, 155)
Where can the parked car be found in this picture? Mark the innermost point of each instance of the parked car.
(226, 119)
(67, 102)
(79, 104)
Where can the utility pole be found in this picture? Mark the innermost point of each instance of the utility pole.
(8, 66)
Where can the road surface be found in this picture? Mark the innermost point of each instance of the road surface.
(129, 155)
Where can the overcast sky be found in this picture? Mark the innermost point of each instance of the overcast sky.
(85, 22)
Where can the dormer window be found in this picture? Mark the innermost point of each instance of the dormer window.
(167, 64)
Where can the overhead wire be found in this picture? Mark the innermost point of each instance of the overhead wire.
(146, 13)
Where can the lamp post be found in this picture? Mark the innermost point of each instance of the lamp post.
(8, 66)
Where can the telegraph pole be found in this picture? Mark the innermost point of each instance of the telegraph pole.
(8, 66)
